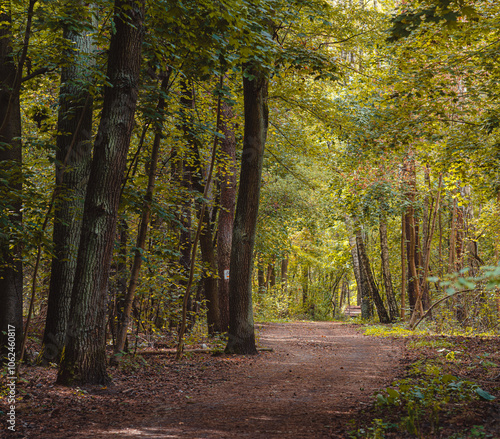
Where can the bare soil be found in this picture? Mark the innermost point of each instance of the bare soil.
(311, 385)
(318, 382)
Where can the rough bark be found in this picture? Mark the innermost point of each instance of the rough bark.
(386, 271)
(84, 357)
(11, 268)
(73, 158)
(241, 338)
(227, 178)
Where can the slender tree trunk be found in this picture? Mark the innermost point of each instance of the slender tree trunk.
(419, 307)
(73, 156)
(227, 176)
(386, 271)
(497, 251)
(363, 297)
(143, 226)
(84, 359)
(211, 284)
(365, 267)
(356, 268)
(284, 274)
(261, 280)
(11, 268)
(120, 287)
(452, 255)
(272, 275)
(241, 327)
(403, 266)
(411, 231)
(344, 296)
(305, 285)
(195, 167)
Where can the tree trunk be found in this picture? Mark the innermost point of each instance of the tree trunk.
(386, 271)
(423, 300)
(11, 268)
(227, 177)
(403, 265)
(284, 274)
(365, 267)
(119, 289)
(143, 226)
(411, 232)
(271, 273)
(452, 253)
(195, 167)
(356, 268)
(305, 285)
(84, 359)
(261, 280)
(241, 327)
(73, 156)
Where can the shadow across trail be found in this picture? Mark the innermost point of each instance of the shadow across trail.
(318, 376)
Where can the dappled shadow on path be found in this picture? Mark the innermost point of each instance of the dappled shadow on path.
(317, 377)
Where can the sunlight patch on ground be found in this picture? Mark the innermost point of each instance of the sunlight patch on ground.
(143, 432)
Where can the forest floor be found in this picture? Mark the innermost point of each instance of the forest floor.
(318, 381)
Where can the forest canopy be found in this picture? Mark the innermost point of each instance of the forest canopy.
(172, 165)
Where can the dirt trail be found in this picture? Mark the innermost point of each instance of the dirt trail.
(318, 376)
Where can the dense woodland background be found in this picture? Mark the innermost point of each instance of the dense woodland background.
(131, 129)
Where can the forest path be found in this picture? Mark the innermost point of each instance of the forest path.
(319, 375)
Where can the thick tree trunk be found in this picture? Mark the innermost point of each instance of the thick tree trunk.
(241, 327)
(386, 271)
(84, 359)
(143, 226)
(365, 267)
(73, 156)
(227, 178)
(11, 268)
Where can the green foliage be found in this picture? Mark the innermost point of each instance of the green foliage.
(396, 331)
(427, 398)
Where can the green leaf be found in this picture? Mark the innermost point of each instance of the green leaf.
(484, 395)
(447, 378)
